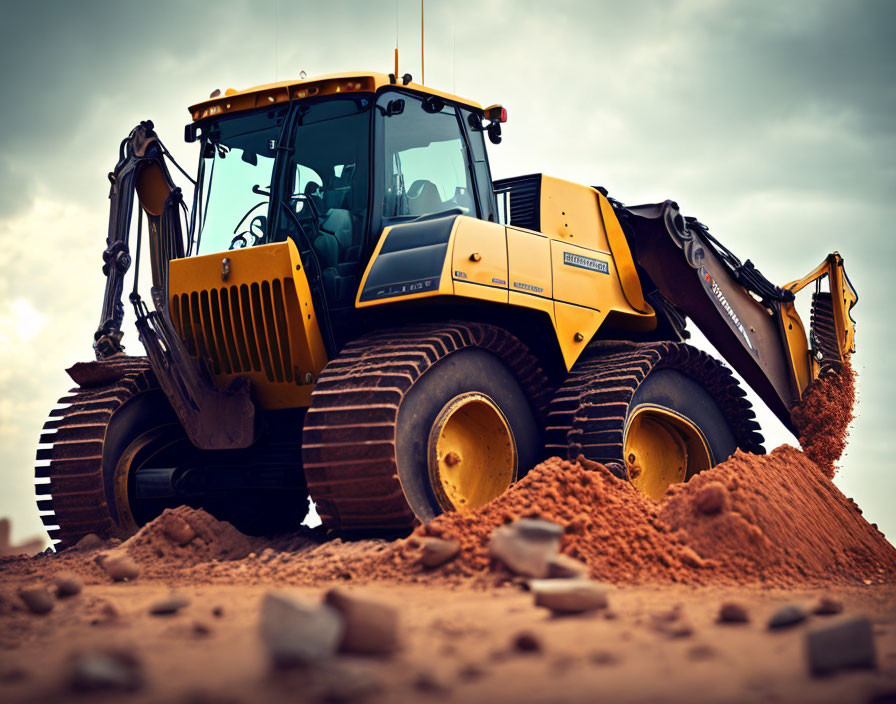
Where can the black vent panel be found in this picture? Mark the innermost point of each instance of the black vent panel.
(524, 193)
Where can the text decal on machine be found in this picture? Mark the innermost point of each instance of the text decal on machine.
(598, 265)
(723, 301)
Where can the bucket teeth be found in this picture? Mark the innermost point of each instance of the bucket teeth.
(824, 330)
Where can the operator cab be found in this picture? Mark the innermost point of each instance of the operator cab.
(331, 172)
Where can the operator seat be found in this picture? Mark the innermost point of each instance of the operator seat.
(335, 245)
(423, 198)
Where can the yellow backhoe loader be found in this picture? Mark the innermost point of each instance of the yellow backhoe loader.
(352, 309)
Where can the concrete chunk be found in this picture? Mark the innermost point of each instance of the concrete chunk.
(787, 616)
(565, 567)
(67, 584)
(569, 596)
(119, 566)
(297, 633)
(846, 644)
(371, 628)
(436, 552)
(37, 599)
(525, 546)
(114, 670)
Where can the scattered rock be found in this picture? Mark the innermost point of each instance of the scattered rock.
(562, 566)
(603, 657)
(828, 606)
(341, 684)
(427, 681)
(91, 541)
(787, 616)
(68, 584)
(371, 628)
(13, 675)
(169, 605)
(527, 642)
(107, 613)
(436, 552)
(701, 652)
(569, 596)
(733, 612)
(846, 644)
(674, 629)
(110, 670)
(711, 499)
(297, 633)
(690, 557)
(119, 566)
(37, 599)
(526, 545)
(470, 672)
(201, 629)
(176, 528)
(218, 611)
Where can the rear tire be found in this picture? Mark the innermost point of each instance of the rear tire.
(653, 413)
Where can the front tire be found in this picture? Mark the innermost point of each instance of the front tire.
(465, 433)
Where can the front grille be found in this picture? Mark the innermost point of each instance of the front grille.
(239, 329)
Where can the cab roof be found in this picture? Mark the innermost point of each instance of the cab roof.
(233, 101)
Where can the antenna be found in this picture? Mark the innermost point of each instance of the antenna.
(454, 55)
(276, 37)
(396, 40)
(422, 72)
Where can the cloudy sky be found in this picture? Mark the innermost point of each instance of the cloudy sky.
(773, 122)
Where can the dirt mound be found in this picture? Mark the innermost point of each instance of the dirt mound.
(609, 525)
(774, 519)
(823, 416)
(185, 536)
(783, 522)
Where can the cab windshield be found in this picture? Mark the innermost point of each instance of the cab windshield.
(323, 183)
(235, 181)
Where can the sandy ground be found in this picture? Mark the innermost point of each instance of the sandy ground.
(763, 532)
(457, 645)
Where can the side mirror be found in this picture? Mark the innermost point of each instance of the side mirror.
(395, 107)
(433, 104)
(494, 132)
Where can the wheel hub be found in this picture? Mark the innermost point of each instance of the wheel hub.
(472, 453)
(662, 448)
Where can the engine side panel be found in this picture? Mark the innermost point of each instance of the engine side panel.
(575, 286)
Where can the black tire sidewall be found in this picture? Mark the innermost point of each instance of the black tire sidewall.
(684, 395)
(471, 369)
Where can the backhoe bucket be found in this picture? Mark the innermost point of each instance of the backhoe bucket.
(832, 330)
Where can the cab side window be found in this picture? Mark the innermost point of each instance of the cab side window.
(426, 165)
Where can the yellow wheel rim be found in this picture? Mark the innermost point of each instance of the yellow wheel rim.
(149, 442)
(472, 453)
(661, 448)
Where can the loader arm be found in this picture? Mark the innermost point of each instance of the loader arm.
(213, 418)
(751, 322)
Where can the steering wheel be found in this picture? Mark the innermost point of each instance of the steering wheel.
(255, 231)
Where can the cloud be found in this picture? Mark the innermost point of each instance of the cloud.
(770, 121)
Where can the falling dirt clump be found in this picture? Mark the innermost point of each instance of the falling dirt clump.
(185, 536)
(823, 416)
